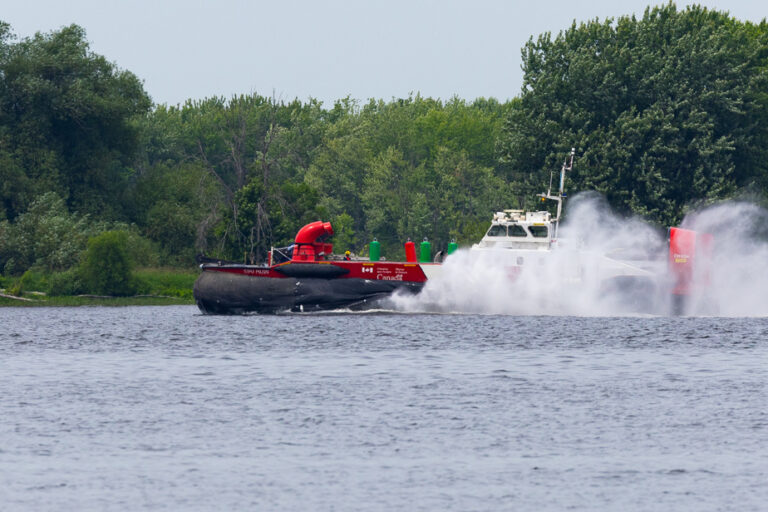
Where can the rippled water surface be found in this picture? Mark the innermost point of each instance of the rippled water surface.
(162, 408)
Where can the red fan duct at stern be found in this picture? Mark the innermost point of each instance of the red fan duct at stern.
(689, 260)
(309, 242)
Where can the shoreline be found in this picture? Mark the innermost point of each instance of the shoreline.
(159, 287)
(75, 301)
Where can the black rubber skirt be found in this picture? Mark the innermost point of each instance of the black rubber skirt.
(225, 293)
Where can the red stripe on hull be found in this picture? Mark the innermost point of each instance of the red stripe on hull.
(381, 271)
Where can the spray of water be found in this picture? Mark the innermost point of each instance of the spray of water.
(605, 265)
(736, 280)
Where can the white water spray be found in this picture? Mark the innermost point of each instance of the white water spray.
(738, 273)
(584, 274)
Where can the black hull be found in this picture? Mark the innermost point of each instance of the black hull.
(225, 293)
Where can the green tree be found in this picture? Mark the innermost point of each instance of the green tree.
(466, 195)
(663, 110)
(106, 268)
(340, 164)
(387, 200)
(237, 143)
(286, 211)
(68, 119)
(46, 236)
(379, 164)
(344, 234)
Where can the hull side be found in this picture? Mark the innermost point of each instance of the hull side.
(219, 292)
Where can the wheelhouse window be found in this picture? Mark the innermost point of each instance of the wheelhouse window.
(497, 230)
(517, 230)
(539, 231)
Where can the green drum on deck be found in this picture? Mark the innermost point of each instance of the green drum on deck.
(425, 255)
(452, 247)
(374, 250)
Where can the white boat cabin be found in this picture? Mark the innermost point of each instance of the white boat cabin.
(517, 229)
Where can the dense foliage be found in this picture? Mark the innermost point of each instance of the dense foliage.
(664, 111)
(67, 123)
(106, 268)
(414, 167)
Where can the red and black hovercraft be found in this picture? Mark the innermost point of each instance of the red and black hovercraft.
(307, 277)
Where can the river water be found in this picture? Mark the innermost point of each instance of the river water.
(144, 408)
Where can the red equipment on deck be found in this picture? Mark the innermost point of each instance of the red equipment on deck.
(410, 251)
(309, 242)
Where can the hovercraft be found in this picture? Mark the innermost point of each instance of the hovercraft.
(306, 277)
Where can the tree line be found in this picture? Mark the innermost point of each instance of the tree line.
(665, 111)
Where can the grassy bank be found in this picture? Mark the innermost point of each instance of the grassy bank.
(96, 301)
(159, 287)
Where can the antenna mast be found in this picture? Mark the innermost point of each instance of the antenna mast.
(567, 166)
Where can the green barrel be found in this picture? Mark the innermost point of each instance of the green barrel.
(452, 247)
(426, 252)
(374, 250)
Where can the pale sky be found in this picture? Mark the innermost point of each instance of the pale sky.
(324, 49)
